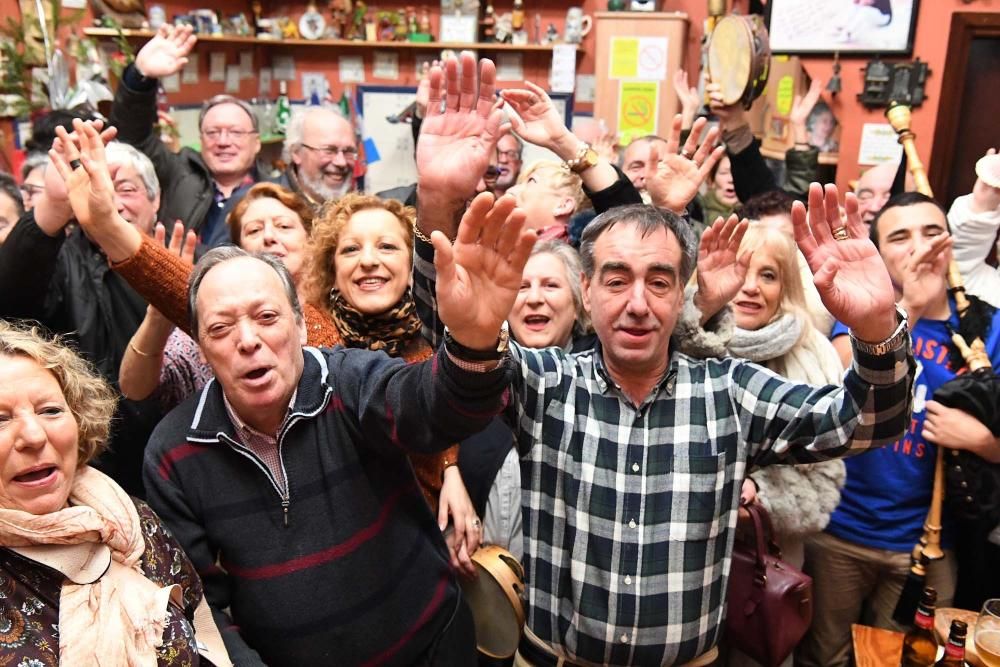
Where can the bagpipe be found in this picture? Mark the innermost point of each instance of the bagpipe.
(967, 483)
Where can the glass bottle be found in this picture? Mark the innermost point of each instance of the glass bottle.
(954, 650)
(283, 111)
(919, 645)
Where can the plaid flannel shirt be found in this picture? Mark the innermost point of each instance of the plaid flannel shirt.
(629, 511)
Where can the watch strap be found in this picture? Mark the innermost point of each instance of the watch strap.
(889, 344)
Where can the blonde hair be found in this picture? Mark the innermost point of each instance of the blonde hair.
(329, 224)
(782, 247)
(557, 176)
(88, 395)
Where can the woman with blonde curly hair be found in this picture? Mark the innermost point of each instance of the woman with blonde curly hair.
(76, 552)
(371, 274)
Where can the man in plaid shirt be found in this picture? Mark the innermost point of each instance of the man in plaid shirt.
(632, 453)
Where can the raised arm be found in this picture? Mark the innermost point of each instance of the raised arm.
(673, 177)
(457, 137)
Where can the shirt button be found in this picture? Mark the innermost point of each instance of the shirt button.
(628, 580)
(624, 638)
(635, 467)
(631, 523)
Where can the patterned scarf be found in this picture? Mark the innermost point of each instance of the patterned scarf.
(108, 615)
(391, 331)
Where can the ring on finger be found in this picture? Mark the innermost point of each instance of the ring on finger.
(840, 233)
(687, 155)
(476, 523)
(75, 164)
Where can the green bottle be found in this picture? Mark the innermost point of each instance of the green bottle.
(283, 112)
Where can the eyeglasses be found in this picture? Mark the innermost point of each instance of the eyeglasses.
(215, 134)
(349, 152)
(509, 155)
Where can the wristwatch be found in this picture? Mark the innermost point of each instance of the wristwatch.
(585, 158)
(890, 343)
(463, 353)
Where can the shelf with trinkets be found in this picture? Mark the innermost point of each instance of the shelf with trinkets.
(109, 33)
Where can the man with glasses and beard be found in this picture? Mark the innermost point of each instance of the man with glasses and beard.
(199, 188)
(321, 150)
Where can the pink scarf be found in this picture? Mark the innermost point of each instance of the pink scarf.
(109, 613)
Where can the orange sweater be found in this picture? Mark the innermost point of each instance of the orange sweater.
(161, 277)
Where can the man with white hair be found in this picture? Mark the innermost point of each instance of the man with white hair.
(321, 150)
(64, 281)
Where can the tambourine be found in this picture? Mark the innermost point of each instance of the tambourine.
(739, 57)
(495, 599)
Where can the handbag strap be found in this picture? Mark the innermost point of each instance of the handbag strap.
(763, 538)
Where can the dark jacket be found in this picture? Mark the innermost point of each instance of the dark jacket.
(351, 568)
(187, 189)
(752, 176)
(64, 282)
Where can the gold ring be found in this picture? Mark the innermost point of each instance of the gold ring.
(840, 233)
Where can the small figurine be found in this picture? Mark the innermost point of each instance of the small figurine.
(411, 20)
(488, 23)
(538, 28)
(358, 22)
(425, 21)
(339, 11)
(551, 35)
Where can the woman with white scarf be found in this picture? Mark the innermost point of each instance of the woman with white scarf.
(88, 575)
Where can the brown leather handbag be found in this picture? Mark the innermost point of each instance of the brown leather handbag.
(769, 603)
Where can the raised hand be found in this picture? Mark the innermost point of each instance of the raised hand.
(536, 119)
(721, 269)
(456, 142)
(803, 104)
(80, 161)
(849, 273)
(985, 197)
(731, 116)
(182, 243)
(479, 277)
(925, 275)
(688, 96)
(673, 180)
(167, 52)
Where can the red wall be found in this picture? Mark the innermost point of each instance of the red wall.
(931, 43)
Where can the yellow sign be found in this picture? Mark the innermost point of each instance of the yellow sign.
(638, 103)
(624, 58)
(786, 94)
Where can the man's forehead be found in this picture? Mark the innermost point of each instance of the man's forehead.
(328, 129)
(228, 114)
(918, 216)
(627, 242)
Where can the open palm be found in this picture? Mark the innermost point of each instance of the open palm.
(456, 141)
(849, 274)
(89, 187)
(673, 179)
(537, 120)
(721, 270)
(166, 53)
(479, 277)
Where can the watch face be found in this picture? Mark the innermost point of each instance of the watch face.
(311, 25)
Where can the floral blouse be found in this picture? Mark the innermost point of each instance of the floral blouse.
(29, 602)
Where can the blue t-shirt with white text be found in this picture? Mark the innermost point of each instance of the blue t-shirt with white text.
(885, 500)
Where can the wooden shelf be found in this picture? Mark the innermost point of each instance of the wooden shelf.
(235, 39)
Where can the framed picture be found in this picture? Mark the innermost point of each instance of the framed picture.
(845, 26)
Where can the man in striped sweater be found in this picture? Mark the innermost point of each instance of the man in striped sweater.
(286, 479)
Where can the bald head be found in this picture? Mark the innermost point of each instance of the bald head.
(323, 148)
(875, 187)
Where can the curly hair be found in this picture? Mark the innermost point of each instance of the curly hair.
(330, 223)
(88, 395)
(297, 204)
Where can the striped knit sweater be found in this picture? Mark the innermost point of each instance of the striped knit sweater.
(360, 573)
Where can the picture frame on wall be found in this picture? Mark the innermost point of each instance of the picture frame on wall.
(884, 27)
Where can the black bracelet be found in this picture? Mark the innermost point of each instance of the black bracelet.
(469, 354)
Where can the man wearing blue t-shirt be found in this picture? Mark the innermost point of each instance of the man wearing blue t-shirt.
(859, 565)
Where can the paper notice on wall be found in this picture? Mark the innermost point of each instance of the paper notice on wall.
(624, 61)
(232, 78)
(510, 67)
(638, 107)
(419, 61)
(585, 87)
(190, 72)
(562, 78)
(385, 65)
(283, 68)
(171, 83)
(352, 69)
(217, 66)
(652, 59)
(264, 82)
(879, 144)
(246, 65)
